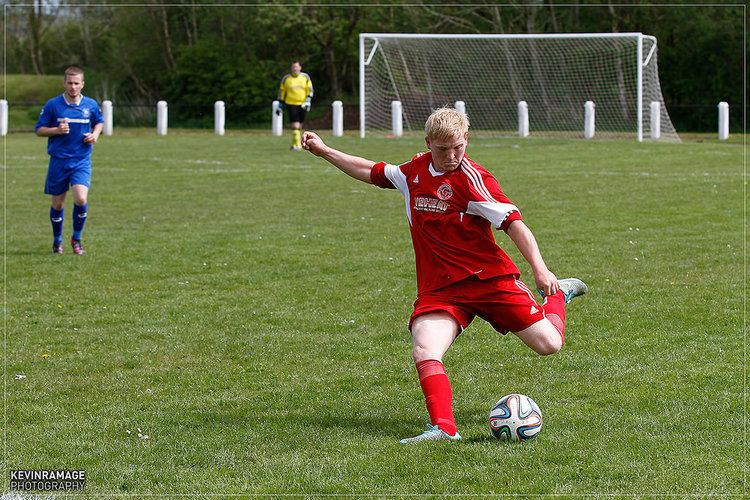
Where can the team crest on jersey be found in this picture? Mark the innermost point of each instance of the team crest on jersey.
(85, 112)
(444, 192)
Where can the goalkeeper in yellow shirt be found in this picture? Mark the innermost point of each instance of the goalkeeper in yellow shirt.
(295, 94)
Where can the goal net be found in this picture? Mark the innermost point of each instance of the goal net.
(555, 74)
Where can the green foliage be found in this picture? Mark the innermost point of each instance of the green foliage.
(26, 94)
(137, 53)
(713, 42)
(32, 88)
(203, 76)
(245, 307)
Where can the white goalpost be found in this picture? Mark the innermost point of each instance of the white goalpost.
(554, 74)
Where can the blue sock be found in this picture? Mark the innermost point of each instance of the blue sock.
(56, 218)
(79, 219)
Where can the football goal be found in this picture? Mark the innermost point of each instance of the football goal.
(553, 76)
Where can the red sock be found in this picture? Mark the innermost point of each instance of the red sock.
(437, 394)
(554, 309)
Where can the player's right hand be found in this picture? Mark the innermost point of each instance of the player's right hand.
(313, 143)
(64, 128)
(279, 108)
(547, 282)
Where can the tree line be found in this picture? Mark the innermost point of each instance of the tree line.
(189, 52)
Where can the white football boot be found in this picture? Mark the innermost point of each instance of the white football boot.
(433, 433)
(572, 288)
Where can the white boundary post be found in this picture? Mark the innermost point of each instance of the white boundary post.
(162, 115)
(589, 122)
(397, 122)
(723, 121)
(655, 120)
(523, 119)
(460, 106)
(277, 120)
(338, 118)
(3, 117)
(219, 117)
(108, 118)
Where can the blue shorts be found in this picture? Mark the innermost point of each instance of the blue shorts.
(64, 172)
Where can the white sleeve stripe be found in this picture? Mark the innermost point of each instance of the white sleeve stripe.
(493, 211)
(398, 179)
(476, 179)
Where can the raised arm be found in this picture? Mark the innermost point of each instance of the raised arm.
(524, 239)
(354, 166)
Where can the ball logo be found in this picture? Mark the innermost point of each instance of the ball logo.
(444, 192)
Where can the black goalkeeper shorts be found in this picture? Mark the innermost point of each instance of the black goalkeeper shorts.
(296, 113)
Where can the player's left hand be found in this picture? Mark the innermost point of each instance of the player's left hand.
(546, 281)
(90, 138)
(307, 104)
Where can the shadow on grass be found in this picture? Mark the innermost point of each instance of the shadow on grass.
(337, 422)
(376, 426)
(486, 439)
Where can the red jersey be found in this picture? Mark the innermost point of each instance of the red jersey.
(451, 215)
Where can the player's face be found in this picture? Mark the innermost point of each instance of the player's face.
(73, 85)
(296, 69)
(447, 154)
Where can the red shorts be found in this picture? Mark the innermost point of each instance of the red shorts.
(504, 302)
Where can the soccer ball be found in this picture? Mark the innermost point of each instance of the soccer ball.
(515, 418)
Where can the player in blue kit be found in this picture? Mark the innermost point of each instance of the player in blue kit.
(72, 123)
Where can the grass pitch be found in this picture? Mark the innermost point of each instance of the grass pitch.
(244, 307)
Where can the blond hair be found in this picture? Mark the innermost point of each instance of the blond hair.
(73, 70)
(446, 123)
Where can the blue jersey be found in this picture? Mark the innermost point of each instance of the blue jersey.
(82, 118)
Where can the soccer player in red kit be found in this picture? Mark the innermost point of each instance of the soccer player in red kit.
(452, 204)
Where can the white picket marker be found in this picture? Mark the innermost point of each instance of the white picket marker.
(460, 106)
(589, 126)
(108, 118)
(523, 119)
(3, 117)
(338, 118)
(397, 120)
(655, 120)
(723, 121)
(219, 118)
(161, 118)
(277, 120)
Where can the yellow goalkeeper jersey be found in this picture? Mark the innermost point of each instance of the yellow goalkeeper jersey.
(295, 89)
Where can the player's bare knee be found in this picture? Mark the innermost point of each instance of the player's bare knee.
(548, 345)
(420, 353)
